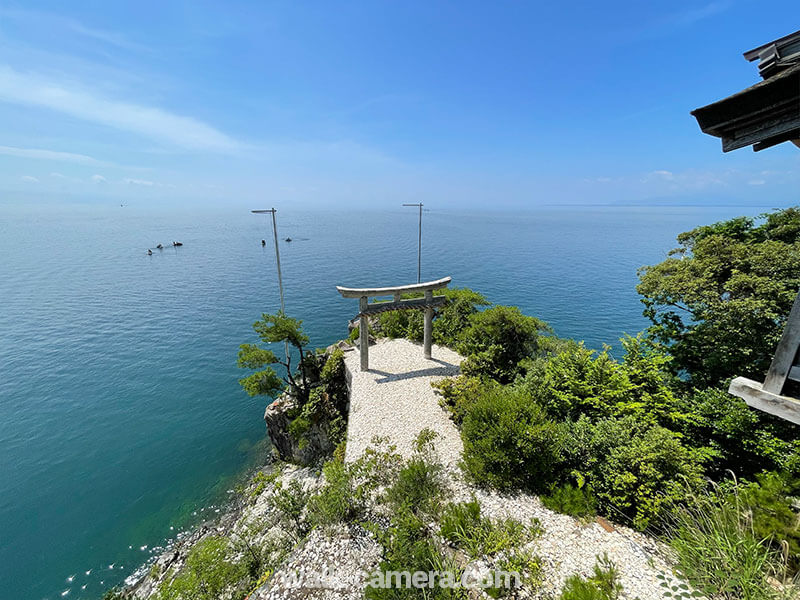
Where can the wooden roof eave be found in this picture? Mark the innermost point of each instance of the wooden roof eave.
(758, 115)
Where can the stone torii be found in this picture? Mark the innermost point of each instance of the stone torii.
(427, 303)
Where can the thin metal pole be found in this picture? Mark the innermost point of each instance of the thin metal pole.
(419, 248)
(278, 262)
(419, 244)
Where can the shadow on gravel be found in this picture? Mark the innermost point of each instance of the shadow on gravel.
(446, 370)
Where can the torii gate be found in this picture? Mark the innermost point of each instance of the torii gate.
(428, 302)
(785, 366)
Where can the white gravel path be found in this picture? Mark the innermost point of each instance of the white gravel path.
(394, 399)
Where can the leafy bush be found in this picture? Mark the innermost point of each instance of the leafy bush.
(718, 551)
(333, 377)
(409, 547)
(497, 339)
(603, 585)
(339, 500)
(463, 525)
(458, 393)
(638, 469)
(740, 439)
(415, 492)
(403, 323)
(571, 500)
(454, 316)
(420, 484)
(509, 441)
(576, 381)
(209, 572)
(289, 501)
(449, 323)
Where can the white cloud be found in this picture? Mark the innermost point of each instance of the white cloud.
(668, 175)
(693, 15)
(98, 178)
(147, 121)
(143, 182)
(29, 179)
(757, 182)
(40, 154)
(57, 175)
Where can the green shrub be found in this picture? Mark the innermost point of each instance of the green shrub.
(409, 547)
(333, 377)
(603, 585)
(343, 498)
(509, 441)
(289, 501)
(403, 323)
(576, 381)
(210, 571)
(524, 563)
(741, 439)
(458, 393)
(420, 485)
(454, 316)
(463, 525)
(497, 339)
(718, 551)
(638, 469)
(571, 500)
(451, 320)
(719, 302)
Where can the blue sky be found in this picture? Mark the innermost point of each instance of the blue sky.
(498, 104)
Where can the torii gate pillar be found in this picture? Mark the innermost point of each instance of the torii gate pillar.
(427, 303)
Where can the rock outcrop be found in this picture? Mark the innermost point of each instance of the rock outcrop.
(315, 443)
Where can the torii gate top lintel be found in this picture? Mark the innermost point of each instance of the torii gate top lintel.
(427, 303)
(391, 291)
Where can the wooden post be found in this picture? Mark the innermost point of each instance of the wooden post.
(428, 331)
(786, 352)
(363, 331)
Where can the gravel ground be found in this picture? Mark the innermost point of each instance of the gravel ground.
(395, 399)
(328, 566)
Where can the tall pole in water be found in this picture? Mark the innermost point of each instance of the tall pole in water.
(272, 211)
(419, 244)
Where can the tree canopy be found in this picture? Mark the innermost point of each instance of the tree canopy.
(265, 381)
(721, 298)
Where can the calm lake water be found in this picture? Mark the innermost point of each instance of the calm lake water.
(120, 412)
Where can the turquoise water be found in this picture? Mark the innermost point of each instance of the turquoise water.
(120, 415)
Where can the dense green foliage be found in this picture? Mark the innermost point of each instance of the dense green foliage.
(721, 299)
(411, 543)
(450, 322)
(510, 442)
(769, 501)
(326, 405)
(634, 469)
(497, 339)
